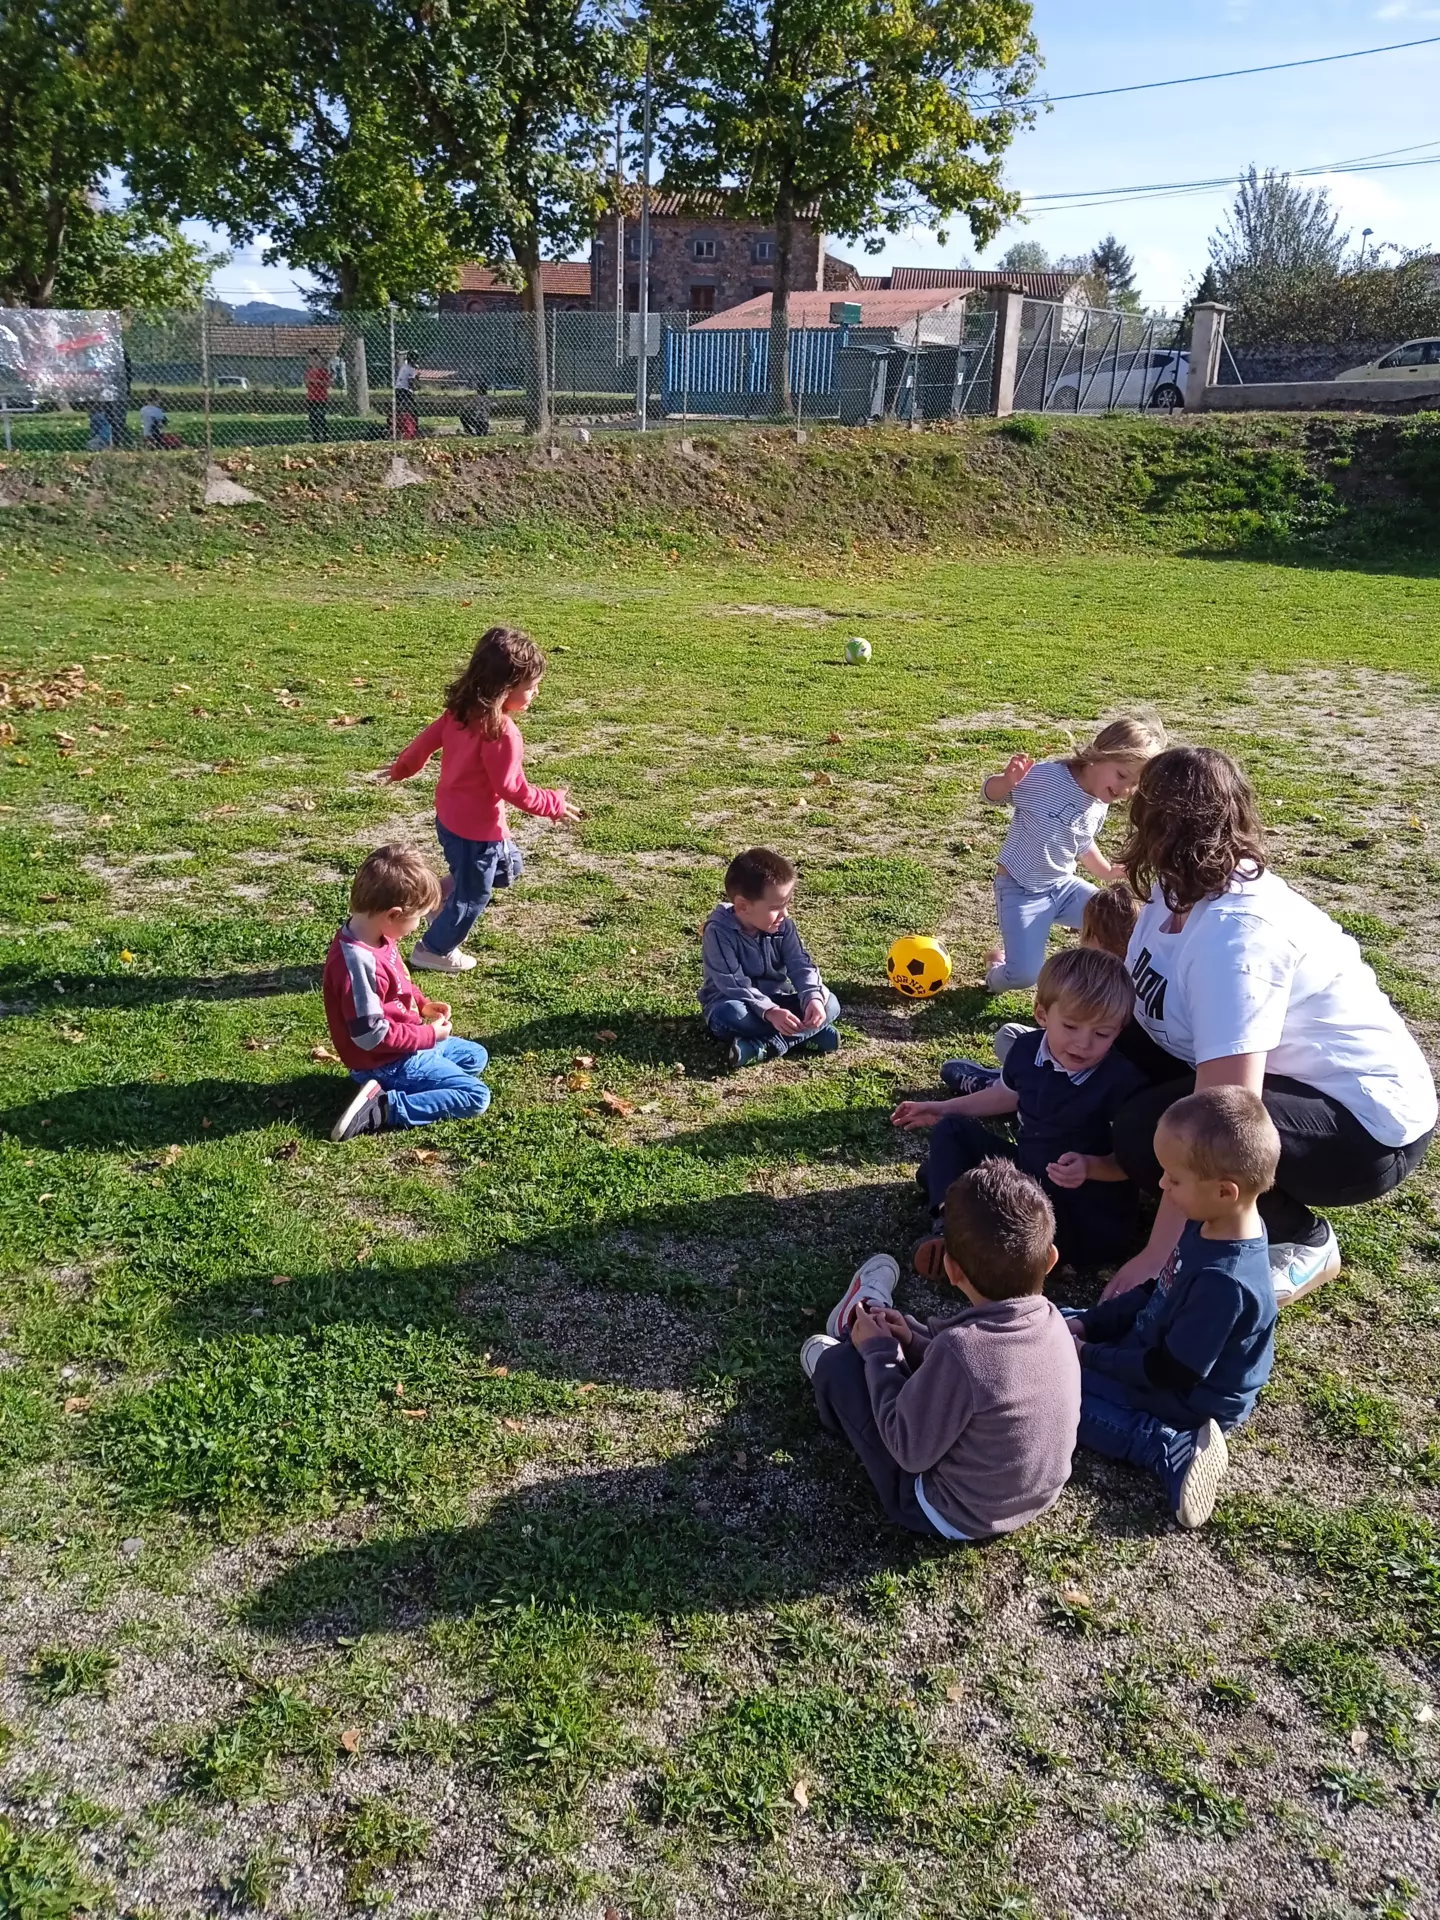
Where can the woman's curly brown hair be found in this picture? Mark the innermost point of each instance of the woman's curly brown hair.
(1194, 826)
(504, 659)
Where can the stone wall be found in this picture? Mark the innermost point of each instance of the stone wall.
(1258, 364)
(723, 273)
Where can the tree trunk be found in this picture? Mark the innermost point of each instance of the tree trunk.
(536, 360)
(352, 344)
(780, 308)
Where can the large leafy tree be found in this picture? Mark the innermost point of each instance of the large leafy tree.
(1113, 267)
(1280, 245)
(62, 242)
(863, 116)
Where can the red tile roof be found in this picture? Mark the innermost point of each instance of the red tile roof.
(1036, 286)
(557, 277)
(879, 309)
(235, 342)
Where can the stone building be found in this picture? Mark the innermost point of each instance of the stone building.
(482, 290)
(702, 259)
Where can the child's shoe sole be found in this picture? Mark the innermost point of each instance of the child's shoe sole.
(928, 1256)
(365, 1113)
(428, 962)
(873, 1282)
(1202, 1477)
(813, 1351)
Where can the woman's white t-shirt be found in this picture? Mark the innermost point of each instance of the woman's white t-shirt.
(1260, 969)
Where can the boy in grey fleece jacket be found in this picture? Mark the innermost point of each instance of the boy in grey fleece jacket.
(966, 1427)
(761, 991)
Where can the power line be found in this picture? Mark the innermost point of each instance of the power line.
(1079, 198)
(1231, 73)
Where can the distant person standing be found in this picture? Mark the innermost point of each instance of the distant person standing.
(317, 394)
(475, 413)
(338, 378)
(407, 417)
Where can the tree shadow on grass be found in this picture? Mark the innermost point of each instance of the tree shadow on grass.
(137, 1114)
(29, 986)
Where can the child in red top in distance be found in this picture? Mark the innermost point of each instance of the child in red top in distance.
(481, 770)
(409, 1067)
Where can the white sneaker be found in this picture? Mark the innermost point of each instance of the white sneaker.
(1195, 1496)
(457, 961)
(810, 1353)
(874, 1283)
(1296, 1269)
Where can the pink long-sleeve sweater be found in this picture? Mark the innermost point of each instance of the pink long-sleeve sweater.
(477, 777)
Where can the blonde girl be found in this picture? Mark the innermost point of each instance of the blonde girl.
(481, 771)
(1060, 806)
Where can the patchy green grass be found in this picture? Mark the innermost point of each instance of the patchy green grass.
(451, 1502)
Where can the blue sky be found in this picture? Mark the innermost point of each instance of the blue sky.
(1310, 117)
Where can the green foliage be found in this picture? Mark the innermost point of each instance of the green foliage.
(1349, 1787)
(1384, 1561)
(254, 1885)
(1029, 429)
(62, 1673)
(1196, 1807)
(1346, 1685)
(372, 1836)
(40, 1878)
(241, 1759)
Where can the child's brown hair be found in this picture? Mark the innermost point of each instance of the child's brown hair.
(504, 659)
(1092, 984)
(999, 1229)
(394, 877)
(1109, 919)
(1226, 1134)
(754, 873)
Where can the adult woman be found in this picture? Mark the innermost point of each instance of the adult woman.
(1239, 980)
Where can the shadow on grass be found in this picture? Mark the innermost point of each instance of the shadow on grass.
(30, 986)
(131, 1114)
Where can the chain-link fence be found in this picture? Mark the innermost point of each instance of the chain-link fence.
(1076, 359)
(107, 381)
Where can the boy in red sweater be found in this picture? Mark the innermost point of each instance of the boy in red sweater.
(398, 1045)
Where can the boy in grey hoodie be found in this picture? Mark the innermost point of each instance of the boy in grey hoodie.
(966, 1426)
(761, 991)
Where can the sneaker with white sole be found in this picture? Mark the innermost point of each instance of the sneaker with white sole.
(456, 961)
(368, 1112)
(874, 1283)
(1195, 1478)
(968, 1076)
(812, 1351)
(1297, 1269)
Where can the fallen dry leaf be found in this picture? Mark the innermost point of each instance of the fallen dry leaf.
(500, 1373)
(583, 1060)
(606, 1033)
(577, 1082)
(47, 899)
(589, 1387)
(343, 720)
(613, 1103)
(321, 1053)
(350, 1739)
(800, 1794)
(414, 1413)
(1075, 1597)
(1359, 1739)
(170, 1156)
(957, 1692)
(821, 780)
(834, 739)
(513, 1426)
(288, 1151)
(362, 1256)
(78, 1403)
(280, 1279)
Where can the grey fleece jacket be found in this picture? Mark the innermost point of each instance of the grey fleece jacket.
(754, 967)
(985, 1407)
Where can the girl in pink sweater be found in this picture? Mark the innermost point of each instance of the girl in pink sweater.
(481, 768)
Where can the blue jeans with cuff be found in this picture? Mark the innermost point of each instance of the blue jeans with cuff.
(477, 867)
(436, 1083)
(1112, 1425)
(1025, 922)
(738, 1020)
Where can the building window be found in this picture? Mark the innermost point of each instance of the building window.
(762, 252)
(702, 299)
(703, 249)
(632, 247)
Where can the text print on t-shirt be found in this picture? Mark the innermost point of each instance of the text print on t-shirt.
(1149, 987)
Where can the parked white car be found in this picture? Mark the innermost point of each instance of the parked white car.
(1152, 379)
(1413, 361)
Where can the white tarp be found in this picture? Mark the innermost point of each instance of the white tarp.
(51, 353)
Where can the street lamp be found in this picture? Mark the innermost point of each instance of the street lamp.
(1365, 233)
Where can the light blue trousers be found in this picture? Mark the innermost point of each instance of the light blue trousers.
(1025, 922)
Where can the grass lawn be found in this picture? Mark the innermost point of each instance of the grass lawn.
(442, 1520)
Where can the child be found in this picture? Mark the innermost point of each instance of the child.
(966, 1427)
(153, 421)
(1109, 919)
(481, 767)
(1067, 1083)
(761, 991)
(1166, 1367)
(397, 1044)
(1060, 806)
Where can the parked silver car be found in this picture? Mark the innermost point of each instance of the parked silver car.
(1150, 379)
(1416, 360)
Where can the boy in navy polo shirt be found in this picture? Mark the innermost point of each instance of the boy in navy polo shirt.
(1167, 1366)
(1066, 1084)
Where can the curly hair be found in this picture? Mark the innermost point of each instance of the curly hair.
(1194, 827)
(504, 659)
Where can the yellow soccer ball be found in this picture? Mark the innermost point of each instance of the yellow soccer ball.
(917, 966)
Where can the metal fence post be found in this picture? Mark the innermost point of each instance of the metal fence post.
(205, 370)
(394, 410)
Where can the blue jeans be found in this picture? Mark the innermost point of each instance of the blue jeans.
(1111, 1424)
(738, 1020)
(437, 1083)
(478, 867)
(1025, 922)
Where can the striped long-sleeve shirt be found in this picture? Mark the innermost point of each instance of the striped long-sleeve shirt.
(1055, 822)
(371, 1006)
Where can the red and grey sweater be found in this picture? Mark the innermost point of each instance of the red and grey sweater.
(371, 1006)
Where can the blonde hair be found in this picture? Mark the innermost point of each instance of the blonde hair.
(394, 877)
(1132, 740)
(1093, 984)
(1226, 1134)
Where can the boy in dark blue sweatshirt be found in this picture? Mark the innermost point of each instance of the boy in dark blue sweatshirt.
(1170, 1364)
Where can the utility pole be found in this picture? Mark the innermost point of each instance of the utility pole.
(619, 239)
(642, 377)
